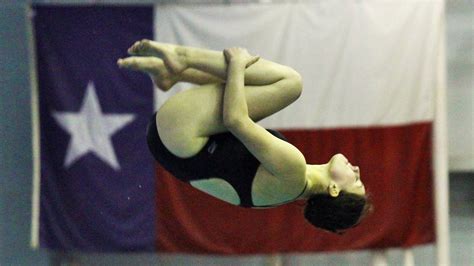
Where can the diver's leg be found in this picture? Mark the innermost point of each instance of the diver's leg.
(179, 58)
(160, 75)
(186, 120)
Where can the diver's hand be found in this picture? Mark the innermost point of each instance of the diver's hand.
(240, 55)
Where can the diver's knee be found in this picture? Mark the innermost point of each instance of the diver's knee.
(294, 83)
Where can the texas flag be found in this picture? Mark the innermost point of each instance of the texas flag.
(369, 73)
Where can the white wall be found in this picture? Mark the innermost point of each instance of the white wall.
(460, 63)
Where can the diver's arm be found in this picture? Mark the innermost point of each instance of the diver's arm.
(279, 157)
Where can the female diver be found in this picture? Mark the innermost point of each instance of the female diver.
(208, 135)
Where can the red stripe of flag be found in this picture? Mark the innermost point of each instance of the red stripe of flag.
(396, 168)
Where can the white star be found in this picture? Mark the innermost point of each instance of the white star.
(91, 130)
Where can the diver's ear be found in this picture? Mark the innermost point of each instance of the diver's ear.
(333, 189)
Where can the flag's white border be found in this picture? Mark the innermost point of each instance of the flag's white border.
(35, 130)
(440, 151)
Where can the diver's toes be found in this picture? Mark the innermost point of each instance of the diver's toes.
(130, 63)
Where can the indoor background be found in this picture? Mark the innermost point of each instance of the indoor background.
(16, 158)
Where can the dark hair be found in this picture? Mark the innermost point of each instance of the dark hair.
(335, 214)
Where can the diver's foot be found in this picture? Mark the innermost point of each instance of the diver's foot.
(173, 55)
(154, 67)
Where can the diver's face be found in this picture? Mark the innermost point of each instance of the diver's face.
(346, 175)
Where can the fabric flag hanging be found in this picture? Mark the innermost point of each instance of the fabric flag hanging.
(369, 74)
(97, 177)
